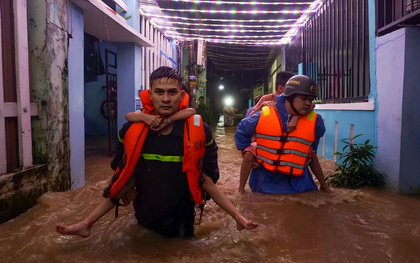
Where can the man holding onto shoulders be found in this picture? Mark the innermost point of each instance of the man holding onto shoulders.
(284, 157)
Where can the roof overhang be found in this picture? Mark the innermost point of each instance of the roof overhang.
(104, 23)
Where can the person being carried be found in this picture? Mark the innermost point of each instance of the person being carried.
(256, 100)
(249, 153)
(283, 163)
(166, 156)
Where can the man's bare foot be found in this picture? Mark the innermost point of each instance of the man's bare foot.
(80, 229)
(243, 223)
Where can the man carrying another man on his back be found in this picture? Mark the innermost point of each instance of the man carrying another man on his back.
(283, 156)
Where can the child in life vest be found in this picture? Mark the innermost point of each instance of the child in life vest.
(127, 192)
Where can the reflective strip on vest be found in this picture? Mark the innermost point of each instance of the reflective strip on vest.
(282, 163)
(210, 142)
(119, 138)
(162, 158)
(275, 151)
(284, 138)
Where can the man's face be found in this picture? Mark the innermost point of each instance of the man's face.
(302, 105)
(166, 96)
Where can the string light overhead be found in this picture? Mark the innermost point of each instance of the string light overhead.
(228, 30)
(228, 36)
(240, 3)
(217, 20)
(241, 42)
(248, 12)
(291, 16)
(235, 24)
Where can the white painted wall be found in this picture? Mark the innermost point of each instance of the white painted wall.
(76, 99)
(390, 72)
(398, 75)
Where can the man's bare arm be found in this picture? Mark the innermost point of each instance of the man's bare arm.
(266, 100)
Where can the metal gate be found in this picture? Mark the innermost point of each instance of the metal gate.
(111, 84)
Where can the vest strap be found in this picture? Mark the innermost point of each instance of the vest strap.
(282, 163)
(273, 138)
(284, 138)
(282, 151)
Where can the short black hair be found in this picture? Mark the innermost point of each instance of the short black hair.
(167, 72)
(201, 97)
(283, 77)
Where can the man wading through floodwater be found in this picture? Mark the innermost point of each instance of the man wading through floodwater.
(164, 196)
(283, 157)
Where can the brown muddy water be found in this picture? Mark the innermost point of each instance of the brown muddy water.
(368, 225)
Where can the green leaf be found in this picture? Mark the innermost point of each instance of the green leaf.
(357, 136)
(356, 169)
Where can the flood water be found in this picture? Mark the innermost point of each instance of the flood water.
(367, 225)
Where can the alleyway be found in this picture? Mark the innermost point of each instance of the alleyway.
(366, 225)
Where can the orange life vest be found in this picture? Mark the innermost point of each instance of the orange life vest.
(277, 150)
(194, 147)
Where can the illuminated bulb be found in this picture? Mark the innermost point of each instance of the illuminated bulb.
(228, 101)
(241, 3)
(239, 12)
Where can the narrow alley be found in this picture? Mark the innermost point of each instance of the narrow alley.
(368, 225)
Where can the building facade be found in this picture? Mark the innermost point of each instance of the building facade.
(65, 64)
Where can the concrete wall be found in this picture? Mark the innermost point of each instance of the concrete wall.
(47, 51)
(398, 74)
(129, 79)
(48, 48)
(410, 132)
(76, 99)
(133, 10)
(129, 67)
(338, 124)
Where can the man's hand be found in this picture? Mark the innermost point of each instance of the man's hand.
(269, 103)
(255, 165)
(129, 197)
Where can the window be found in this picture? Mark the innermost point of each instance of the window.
(391, 15)
(15, 108)
(336, 51)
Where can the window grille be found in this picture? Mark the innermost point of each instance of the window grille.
(392, 14)
(335, 51)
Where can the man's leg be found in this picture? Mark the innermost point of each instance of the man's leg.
(83, 227)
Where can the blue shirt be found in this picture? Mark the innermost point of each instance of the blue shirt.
(264, 181)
